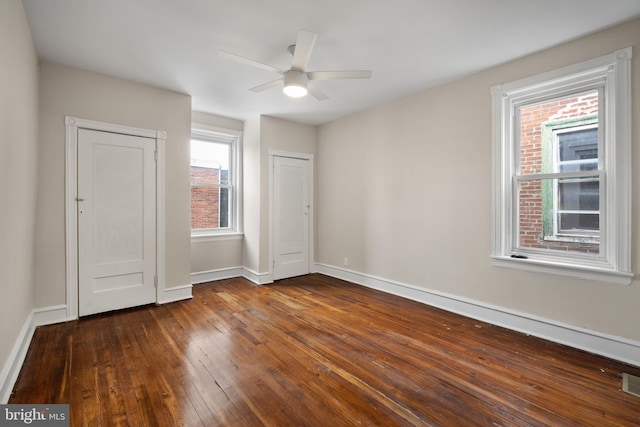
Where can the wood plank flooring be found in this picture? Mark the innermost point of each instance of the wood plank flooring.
(314, 351)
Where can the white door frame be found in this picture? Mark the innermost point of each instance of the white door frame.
(301, 156)
(71, 193)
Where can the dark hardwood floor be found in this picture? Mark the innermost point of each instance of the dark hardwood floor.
(314, 351)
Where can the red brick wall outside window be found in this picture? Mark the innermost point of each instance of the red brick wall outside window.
(205, 201)
(533, 119)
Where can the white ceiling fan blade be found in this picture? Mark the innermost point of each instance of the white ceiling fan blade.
(266, 86)
(248, 61)
(304, 46)
(339, 75)
(316, 92)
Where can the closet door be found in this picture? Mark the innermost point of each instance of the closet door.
(116, 221)
(291, 217)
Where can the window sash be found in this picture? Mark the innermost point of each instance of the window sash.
(560, 175)
(211, 186)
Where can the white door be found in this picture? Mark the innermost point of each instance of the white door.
(291, 217)
(116, 221)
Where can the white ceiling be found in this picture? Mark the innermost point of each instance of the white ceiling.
(410, 45)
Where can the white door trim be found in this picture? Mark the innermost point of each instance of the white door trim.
(301, 156)
(72, 125)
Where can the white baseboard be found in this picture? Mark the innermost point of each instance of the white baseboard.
(11, 368)
(614, 347)
(213, 275)
(174, 294)
(229, 273)
(257, 278)
(50, 315)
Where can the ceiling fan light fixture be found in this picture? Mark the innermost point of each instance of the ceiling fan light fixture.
(295, 83)
(295, 91)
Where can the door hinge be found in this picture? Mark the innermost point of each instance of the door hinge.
(155, 155)
(155, 281)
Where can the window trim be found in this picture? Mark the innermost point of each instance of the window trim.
(234, 139)
(613, 73)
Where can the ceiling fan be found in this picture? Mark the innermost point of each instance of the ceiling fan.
(297, 80)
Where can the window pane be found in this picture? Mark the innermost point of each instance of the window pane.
(578, 165)
(532, 213)
(578, 144)
(224, 207)
(573, 119)
(577, 149)
(212, 155)
(541, 224)
(210, 204)
(579, 195)
(576, 223)
(204, 207)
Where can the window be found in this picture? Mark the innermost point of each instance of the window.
(214, 183)
(562, 144)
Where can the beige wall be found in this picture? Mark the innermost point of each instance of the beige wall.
(216, 121)
(215, 254)
(70, 91)
(251, 194)
(404, 192)
(18, 172)
(283, 135)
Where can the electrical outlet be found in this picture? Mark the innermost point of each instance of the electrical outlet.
(346, 261)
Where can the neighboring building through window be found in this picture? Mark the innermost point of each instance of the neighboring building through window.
(576, 201)
(214, 192)
(562, 144)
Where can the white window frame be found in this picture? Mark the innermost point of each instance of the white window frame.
(234, 139)
(611, 73)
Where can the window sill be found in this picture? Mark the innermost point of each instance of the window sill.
(571, 239)
(215, 237)
(600, 274)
